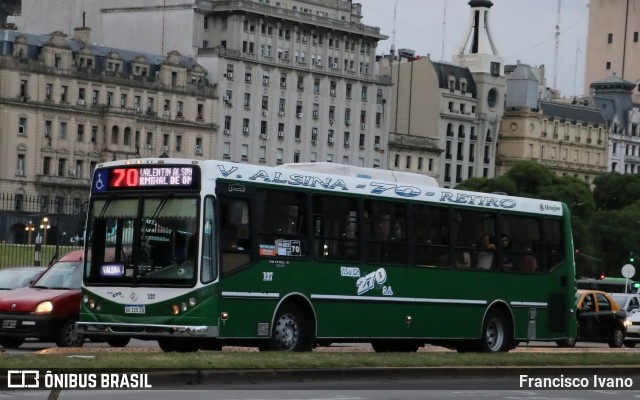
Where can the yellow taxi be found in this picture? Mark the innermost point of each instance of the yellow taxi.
(600, 319)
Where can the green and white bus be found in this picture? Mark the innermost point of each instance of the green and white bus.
(213, 253)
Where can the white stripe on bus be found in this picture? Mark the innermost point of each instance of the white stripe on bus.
(383, 298)
(251, 294)
(528, 304)
(397, 299)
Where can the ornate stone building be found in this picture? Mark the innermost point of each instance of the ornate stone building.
(570, 139)
(66, 105)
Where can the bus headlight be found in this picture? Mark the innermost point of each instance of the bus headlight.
(175, 310)
(192, 301)
(44, 308)
(183, 307)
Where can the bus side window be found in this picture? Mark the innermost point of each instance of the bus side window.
(235, 234)
(335, 227)
(284, 223)
(431, 236)
(553, 247)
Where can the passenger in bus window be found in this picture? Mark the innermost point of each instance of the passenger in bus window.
(529, 262)
(508, 257)
(463, 259)
(487, 250)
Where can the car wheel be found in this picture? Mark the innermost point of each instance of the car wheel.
(568, 342)
(629, 343)
(290, 332)
(496, 333)
(69, 335)
(118, 341)
(617, 339)
(11, 342)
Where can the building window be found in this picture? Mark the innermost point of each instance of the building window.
(126, 139)
(22, 126)
(63, 130)
(610, 38)
(495, 69)
(46, 166)
(20, 165)
(62, 166)
(608, 65)
(635, 37)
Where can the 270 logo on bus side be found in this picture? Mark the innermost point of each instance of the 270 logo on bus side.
(369, 281)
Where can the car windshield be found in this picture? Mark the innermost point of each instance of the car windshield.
(61, 275)
(11, 278)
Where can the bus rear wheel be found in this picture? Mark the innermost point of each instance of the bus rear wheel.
(290, 332)
(496, 333)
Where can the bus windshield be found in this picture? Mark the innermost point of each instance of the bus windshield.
(154, 241)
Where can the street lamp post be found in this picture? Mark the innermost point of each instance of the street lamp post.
(29, 228)
(45, 226)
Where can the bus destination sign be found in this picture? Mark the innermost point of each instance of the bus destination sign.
(136, 177)
(145, 177)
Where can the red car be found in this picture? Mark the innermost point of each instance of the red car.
(47, 309)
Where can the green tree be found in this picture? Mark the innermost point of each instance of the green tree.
(530, 177)
(614, 191)
(617, 234)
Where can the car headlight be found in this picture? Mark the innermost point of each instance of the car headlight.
(627, 323)
(46, 307)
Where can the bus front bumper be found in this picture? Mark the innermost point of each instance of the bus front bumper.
(149, 331)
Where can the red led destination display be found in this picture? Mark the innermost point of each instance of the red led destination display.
(146, 177)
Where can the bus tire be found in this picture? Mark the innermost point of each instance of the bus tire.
(69, 335)
(290, 332)
(497, 334)
(118, 341)
(11, 342)
(179, 345)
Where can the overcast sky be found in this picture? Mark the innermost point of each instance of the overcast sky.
(521, 29)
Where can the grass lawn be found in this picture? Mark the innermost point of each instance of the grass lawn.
(279, 360)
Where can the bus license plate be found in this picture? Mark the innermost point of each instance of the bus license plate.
(134, 309)
(9, 324)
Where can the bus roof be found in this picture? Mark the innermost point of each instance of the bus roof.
(362, 172)
(350, 181)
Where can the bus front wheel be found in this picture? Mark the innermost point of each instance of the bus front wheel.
(290, 330)
(496, 332)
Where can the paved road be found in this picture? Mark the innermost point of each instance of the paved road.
(32, 346)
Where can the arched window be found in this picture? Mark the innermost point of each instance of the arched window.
(115, 135)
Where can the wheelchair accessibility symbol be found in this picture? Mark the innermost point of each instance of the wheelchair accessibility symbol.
(98, 183)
